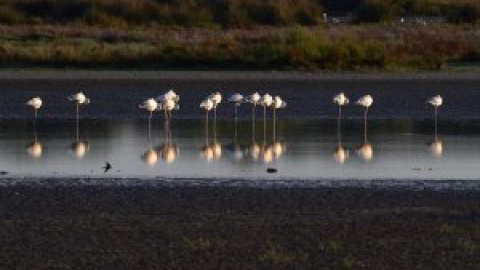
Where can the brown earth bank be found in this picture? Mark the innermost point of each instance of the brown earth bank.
(187, 227)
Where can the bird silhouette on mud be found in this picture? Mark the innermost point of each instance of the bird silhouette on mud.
(107, 167)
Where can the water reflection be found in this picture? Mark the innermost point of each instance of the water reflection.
(150, 156)
(35, 148)
(309, 154)
(436, 145)
(365, 151)
(436, 148)
(168, 151)
(211, 150)
(340, 153)
(79, 147)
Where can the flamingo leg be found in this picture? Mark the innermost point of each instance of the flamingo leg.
(365, 126)
(339, 123)
(77, 122)
(253, 122)
(150, 127)
(274, 124)
(264, 125)
(235, 140)
(206, 127)
(435, 123)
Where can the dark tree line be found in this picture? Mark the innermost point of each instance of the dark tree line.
(227, 13)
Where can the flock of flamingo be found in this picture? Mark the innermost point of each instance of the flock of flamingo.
(169, 102)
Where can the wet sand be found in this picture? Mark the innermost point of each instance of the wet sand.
(238, 227)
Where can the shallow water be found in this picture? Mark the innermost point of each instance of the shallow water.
(401, 141)
(306, 149)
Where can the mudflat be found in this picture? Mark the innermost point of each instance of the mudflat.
(243, 227)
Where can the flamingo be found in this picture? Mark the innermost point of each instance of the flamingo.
(265, 101)
(340, 100)
(216, 98)
(237, 99)
(170, 95)
(254, 99)
(150, 105)
(80, 99)
(365, 101)
(278, 103)
(79, 147)
(167, 106)
(36, 104)
(436, 102)
(207, 105)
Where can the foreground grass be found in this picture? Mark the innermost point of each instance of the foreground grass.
(368, 47)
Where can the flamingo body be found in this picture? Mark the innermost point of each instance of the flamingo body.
(435, 101)
(365, 101)
(79, 98)
(35, 103)
(341, 99)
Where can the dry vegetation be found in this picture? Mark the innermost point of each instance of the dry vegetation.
(235, 34)
(362, 47)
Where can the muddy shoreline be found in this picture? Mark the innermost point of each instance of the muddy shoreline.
(194, 227)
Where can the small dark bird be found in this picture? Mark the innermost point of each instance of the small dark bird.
(271, 170)
(107, 167)
(3, 173)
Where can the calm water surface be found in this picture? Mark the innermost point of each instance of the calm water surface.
(308, 149)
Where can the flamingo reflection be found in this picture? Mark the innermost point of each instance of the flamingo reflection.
(150, 156)
(35, 148)
(168, 151)
(365, 151)
(80, 147)
(340, 154)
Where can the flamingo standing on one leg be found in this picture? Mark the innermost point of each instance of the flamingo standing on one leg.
(79, 99)
(265, 101)
(365, 150)
(237, 100)
(150, 105)
(278, 103)
(254, 99)
(436, 102)
(36, 103)
(365, 102)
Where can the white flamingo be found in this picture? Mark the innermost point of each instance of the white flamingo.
(36, 104)
(216, 99)
(340, 100)
(237, 100)
(365, 101)
(265, 101)
(207, 105)
(150, 105)
(170, 95)
(254, 99)
(167, 107)
(278, 103)
(435, 101)
(79, 99)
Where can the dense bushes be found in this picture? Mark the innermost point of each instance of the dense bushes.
(226, 13)
(336, 48)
